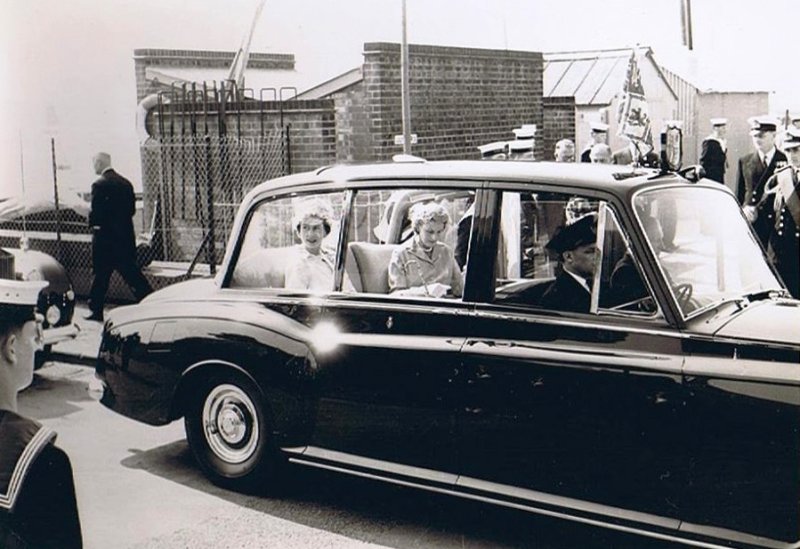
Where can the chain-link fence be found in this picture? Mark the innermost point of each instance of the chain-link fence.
(195, 185)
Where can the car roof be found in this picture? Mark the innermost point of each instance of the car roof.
(620, 180)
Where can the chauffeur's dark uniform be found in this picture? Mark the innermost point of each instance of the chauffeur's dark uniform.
(713, 158)
(751, 179)
(566, 294)
(37, 494)
(113, 239)
(784, 240)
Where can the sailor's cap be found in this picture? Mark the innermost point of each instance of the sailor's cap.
(598, 127)
(493, 148)
(520, 145)
(762, 124)
(526, 131)
(791, 139)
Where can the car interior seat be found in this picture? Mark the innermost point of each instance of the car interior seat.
(367, 265)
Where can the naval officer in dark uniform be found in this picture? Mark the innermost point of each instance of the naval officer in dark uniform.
(37, 493)
(113, 238)
(754, 171)
(714, 152)
(782, 196)
(576, 246)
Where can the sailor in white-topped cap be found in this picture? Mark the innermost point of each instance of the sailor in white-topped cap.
(526, 131)
(714, 151)
(520, 149)
(37, 493)
(494, 151)
(598, 135)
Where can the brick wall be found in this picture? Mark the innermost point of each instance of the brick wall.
(559, 123)
(460, 98)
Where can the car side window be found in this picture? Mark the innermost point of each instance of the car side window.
(409, 242)
(525, 269)
(623, 286)
(550, 256)
(291, 243)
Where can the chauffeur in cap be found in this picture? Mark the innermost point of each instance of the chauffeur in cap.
(37, 494)
(575, 245)
(782, 195)
(754, 171)
(596, 137)
(713, 155)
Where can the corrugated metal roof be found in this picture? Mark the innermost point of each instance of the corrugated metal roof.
(593, 77)
(333, 85)
(254, 79)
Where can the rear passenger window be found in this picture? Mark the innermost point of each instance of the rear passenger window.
(409, 242)
(291, 243)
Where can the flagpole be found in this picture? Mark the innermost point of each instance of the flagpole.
(404, 92)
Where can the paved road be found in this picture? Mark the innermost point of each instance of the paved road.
(138, 487)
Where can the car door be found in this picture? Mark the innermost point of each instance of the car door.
(385, 394)
(584, 406)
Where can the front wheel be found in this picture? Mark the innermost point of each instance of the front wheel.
(228, 430)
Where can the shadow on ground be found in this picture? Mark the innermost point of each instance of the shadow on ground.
(67, 381)
(385, 514)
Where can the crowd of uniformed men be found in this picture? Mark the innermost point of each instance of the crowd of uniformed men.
(766, 180)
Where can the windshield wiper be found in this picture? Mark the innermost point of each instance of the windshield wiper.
(765, 294)
(742, 301)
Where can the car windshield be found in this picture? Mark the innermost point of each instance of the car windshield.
(703, 246)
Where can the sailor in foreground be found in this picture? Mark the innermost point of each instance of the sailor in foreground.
(37, 493)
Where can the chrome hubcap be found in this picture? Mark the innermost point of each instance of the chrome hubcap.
(231, 423)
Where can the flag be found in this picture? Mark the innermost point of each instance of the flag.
(633, 119)
(686, 24)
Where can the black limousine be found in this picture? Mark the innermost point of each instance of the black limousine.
(402, 322)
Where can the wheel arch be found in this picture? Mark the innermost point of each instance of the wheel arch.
(200, 371)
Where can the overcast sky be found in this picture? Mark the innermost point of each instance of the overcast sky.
(66, 69)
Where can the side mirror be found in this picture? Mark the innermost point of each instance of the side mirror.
(693, 173)
(671, 149)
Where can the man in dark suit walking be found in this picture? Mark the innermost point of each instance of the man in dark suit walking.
(753, 172)
(713, 156)
(113, 238)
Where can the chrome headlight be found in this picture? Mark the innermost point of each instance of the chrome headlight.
(53, 315)
(70, 295)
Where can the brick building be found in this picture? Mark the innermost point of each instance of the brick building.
(459, 98)
(204, 143)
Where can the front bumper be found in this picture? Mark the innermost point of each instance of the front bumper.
(62, 333)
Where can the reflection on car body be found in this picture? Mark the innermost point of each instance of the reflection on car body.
(673, 413)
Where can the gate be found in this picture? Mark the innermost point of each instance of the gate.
(207, 147)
